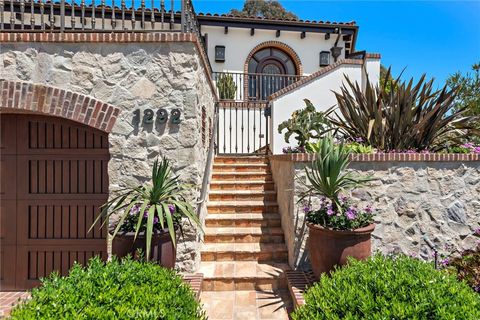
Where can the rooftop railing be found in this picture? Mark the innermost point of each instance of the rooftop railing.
(97, 16)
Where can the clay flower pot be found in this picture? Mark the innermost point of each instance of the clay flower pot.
(328, 248)
(162, 250)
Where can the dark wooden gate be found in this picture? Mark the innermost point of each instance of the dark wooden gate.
(53, 180)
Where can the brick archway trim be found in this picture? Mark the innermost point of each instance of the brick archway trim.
(279, 45)
(21, 97)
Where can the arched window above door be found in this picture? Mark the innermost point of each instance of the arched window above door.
(271, 61)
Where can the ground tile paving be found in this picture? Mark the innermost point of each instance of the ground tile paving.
(9, 298)
(245, 304)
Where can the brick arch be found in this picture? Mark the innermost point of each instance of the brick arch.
(279, 45)
(25, 97)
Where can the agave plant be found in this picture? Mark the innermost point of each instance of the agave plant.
(306, 124)
(409, 116)
(327, 174)
(154, 206)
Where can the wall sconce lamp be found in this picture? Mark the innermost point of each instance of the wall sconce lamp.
(220, 53)
(324, 58)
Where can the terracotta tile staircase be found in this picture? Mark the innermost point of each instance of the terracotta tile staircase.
(244, 245)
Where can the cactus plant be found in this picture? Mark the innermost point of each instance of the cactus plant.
(226, 86)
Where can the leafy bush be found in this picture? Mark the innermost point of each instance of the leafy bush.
(412, 116)
(306, 124)
(124, 289)
(389, 288)
(466, 267)
(356, 147)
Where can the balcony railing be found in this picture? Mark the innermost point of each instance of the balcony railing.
(250, 86)
(98, 16)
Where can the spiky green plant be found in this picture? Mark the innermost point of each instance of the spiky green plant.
(306, 124)
(162, 199)
(226, 86)
(412, 116)
(327, 174)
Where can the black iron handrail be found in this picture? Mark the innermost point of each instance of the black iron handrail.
(251, 86)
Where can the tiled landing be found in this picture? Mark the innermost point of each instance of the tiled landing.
(246, 305)
(10, 298)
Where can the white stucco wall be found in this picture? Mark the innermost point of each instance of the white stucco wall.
(239, 43)
(319, 92)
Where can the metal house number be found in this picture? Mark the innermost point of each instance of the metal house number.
(161, 116)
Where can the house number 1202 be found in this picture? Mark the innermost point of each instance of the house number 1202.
(161, 116)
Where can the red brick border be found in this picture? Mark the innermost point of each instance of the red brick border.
(111, 37)
(314, 76)
(21, 97)
(387, 157)
(279, 45)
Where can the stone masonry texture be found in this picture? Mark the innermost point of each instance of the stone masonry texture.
(416, 201)
(132, 76)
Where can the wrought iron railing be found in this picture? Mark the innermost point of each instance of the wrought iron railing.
(250, 86)
(97, 16)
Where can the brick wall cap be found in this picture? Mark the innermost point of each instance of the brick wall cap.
(387, 157)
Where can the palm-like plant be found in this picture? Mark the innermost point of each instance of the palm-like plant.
(409, 116)
(328, 175)
(161, 202)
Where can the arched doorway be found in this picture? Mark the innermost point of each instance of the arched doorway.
(53, 181)
(269, 70)
(54, 154)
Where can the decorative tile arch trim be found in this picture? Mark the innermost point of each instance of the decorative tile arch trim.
(25, 97)
(279, 45)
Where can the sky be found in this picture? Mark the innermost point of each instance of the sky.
(433, 37)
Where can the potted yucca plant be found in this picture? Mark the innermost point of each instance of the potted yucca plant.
(149, 216)
(337, 227)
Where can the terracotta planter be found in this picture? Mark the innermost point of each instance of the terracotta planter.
(328, 248)
(162, 249)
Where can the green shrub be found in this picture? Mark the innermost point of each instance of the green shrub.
(389, 288)
(124, 289)
(226, 86)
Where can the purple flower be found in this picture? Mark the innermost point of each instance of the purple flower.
(307, 209)
(171, 207)
(351, 214)
(135, 210)
(476, 150)
(155, 220)
(368, 209)
(445, 262)
(330, 212)
(343, 199)
(359, 139)
(467, 145)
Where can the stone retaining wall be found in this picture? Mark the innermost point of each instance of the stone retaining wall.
(133, 75)
(417, 198)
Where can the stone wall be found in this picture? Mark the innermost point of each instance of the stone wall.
(417, 201)
(133, 76)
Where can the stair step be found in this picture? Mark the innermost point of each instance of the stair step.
(229, 195)
(244, 234)
(240, 160)
(242, 185)
(244, 252)
(241, 167)
(242, 206)
(243, 275)
(243, 220)
(241, 176)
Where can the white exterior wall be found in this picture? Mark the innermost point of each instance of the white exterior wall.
(319, 92)
(239, 43)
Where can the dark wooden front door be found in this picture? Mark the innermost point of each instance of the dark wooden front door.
(53, 180)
